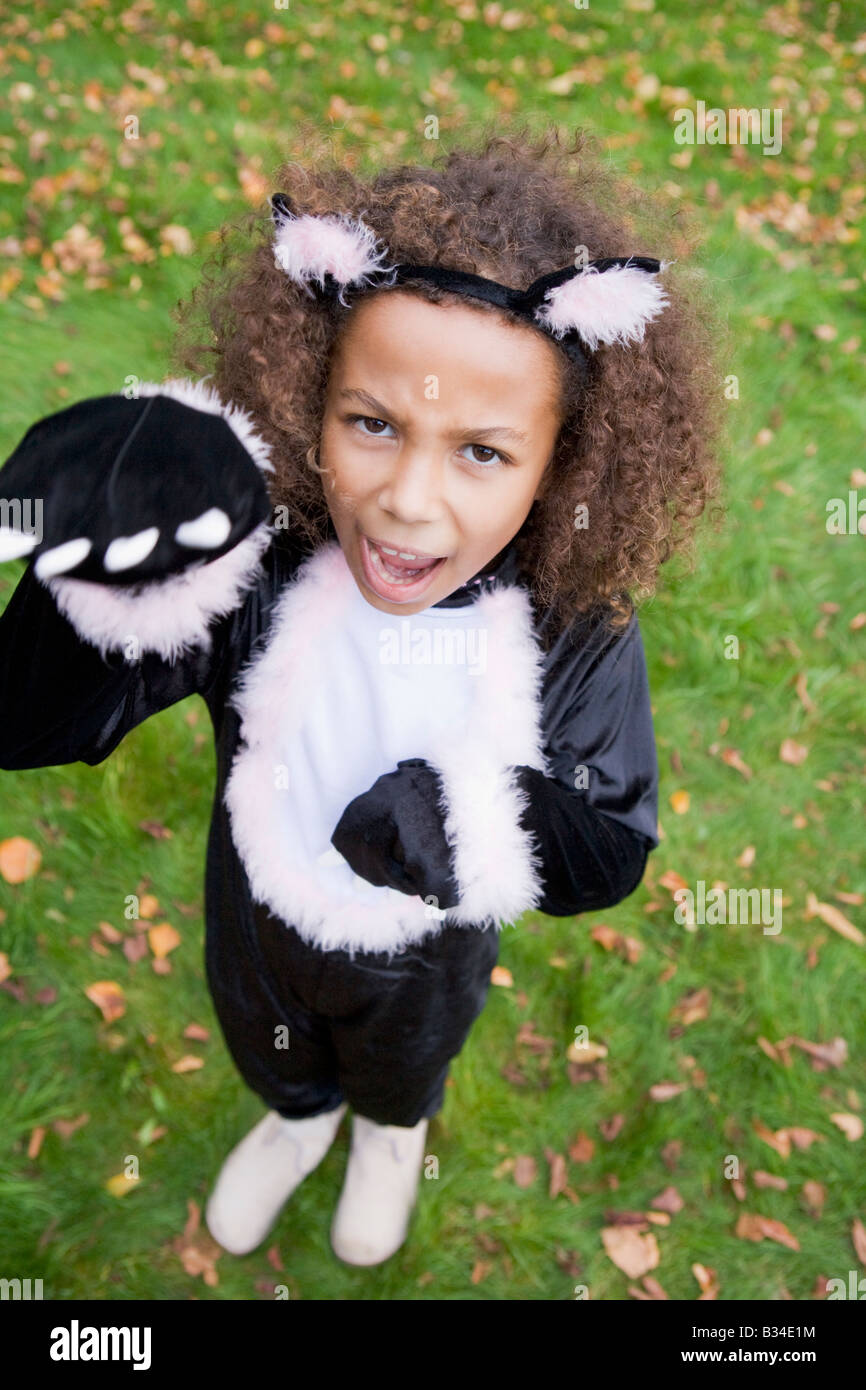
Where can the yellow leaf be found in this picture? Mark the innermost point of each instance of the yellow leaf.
(120, 1184)
(500, 976)
(680, 802)
(5, 967)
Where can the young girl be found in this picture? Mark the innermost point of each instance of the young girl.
(454, 415)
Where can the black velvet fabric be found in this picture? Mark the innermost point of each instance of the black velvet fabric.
(394, 836)
(110, 467)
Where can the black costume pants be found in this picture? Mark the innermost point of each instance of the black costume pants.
(376, 1032)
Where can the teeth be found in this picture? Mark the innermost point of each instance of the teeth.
(381, 567)
(403, 554)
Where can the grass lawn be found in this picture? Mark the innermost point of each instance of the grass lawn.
(769, 746)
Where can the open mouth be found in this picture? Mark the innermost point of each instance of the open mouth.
(393, 573)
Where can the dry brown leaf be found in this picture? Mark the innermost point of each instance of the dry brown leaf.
(802, 1138)
(480, 1270)
(672, 881)
(558, 1173)
(611, 1128)
(5, 967)
(858, 1239)
(585, 1053)
(814, 1197)
(666, 1090)
(66, 1128)
(707, 1281)
(692, 1007)
(746, 859)
(197, 1032)
(135, 948)
(850, 1125)
(753, 1226)
(108, 998)
(157, 830)
(35, 1144)
(790, 751)
(762, 1179)
(110, 932)
(163, 938)
(630, 1250)
(834, 918)
(148, 906)
(581, 1149)
(669, 1200)
(499, 975)
(831, 1054)
(651, 1291)
(525, 1170)
(780, 1140)
(731, 758)
(188, 1063)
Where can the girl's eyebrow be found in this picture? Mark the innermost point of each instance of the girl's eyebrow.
(489, 431)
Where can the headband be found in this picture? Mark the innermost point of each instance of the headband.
(608, 300)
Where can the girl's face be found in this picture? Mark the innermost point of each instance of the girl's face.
(439, 423)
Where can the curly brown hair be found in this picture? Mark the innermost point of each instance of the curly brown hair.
(639, 440)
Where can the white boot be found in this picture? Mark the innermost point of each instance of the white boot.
(379, 1192)
(262, 1172)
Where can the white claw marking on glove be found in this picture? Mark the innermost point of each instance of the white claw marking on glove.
(14, 543)
(62, 557)
(127, 551)
(206, 532)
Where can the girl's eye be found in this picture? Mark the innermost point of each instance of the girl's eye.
(376, 426)
(482, 454)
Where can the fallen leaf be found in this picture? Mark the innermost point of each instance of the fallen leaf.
(500, 976)
(66, 1128)
(611, 1128)
(850, 1125)
(108, 998)
(692, 1007)
(5, 967)
(110, 933)
(157, 830)
(814, 1197)
(669, 1200)
(632, 1252)
(803, 1138)
(148, 906)
(135, 948)
(707, 1281)
(680, 802)
(558, 1172)
(652, 1290)
(731, 757)
(36, 1141)
(525, 1170)
(780, 1140)
(858, 1239)
(19, 859)
(163, 938)
(792, 752)
(581, 1149)
(833, 918)
(120, 1184)
(196, 1032)
(666, 1090)
(188, 1063)
(480, 1270)
(753, 1226)
(762, 1179)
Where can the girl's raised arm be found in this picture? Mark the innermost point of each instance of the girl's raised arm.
(145, 521)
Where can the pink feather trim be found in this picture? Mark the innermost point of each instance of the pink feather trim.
(610, 306)
(309, 248)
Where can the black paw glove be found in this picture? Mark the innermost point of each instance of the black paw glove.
(127, 491)
(393, 835)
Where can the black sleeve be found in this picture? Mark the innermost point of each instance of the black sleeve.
(595, 819)
(62, 701)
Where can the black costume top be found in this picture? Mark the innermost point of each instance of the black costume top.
(547, 798)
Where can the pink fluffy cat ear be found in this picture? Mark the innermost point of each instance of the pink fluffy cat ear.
(608, 301)
(310, 248)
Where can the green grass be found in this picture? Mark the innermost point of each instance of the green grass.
(763, 580)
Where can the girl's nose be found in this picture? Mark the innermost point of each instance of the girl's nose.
(413, 491)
